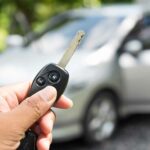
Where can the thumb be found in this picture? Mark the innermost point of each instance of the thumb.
(34, 107)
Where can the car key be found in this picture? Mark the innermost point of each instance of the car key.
(54, 75)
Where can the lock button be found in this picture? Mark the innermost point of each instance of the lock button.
(54, 76)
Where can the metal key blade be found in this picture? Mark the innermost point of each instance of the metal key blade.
(71, 49)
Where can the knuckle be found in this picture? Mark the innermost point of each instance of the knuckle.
(38, 104)
(41, 98)
(35, 105)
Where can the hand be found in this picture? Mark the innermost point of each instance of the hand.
(18, 114)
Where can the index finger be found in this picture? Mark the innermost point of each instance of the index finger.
(63, 102)
(21, 91)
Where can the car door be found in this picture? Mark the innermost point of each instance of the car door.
(134, 64)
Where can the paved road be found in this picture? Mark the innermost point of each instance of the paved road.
(133, 134)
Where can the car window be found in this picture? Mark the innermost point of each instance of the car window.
(141, 33)
(98, 31)
(144, 34)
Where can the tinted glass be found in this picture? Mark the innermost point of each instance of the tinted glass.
(98, 31)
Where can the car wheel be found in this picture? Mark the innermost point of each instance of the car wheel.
(101, 118)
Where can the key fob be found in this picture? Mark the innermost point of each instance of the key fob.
(50, 75)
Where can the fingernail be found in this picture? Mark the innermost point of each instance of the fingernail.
(47, 144)
(49, 93)
(51, 125)
(71, 103)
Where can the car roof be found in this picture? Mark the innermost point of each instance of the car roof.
(106, 10)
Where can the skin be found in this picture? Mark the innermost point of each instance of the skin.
(18, 113)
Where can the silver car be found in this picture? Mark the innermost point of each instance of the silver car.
(109, 73)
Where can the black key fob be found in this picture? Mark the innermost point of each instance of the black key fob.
(52, 75)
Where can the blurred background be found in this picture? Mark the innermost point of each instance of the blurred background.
(22, 17)
(109, 73)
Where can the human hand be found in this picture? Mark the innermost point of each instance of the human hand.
(18, 114)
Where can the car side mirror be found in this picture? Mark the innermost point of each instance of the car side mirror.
(133, 47)
(13, 41)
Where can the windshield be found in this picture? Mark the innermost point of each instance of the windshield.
(98, 31)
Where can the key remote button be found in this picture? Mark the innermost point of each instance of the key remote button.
(54, 76)
(40, 81)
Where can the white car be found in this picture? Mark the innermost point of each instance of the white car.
(109, 73)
